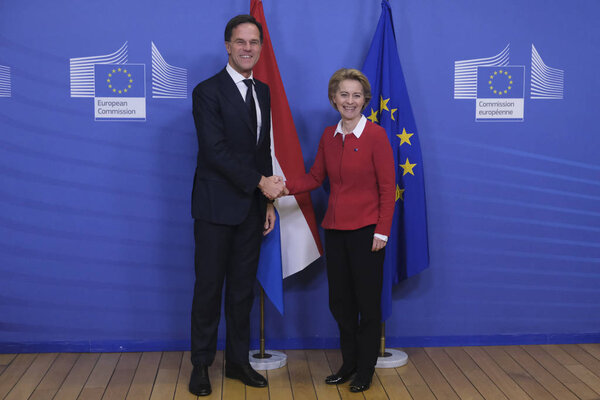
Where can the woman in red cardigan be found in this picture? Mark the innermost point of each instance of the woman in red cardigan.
(357, 157)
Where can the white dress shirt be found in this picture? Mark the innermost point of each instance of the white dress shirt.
(238, 79)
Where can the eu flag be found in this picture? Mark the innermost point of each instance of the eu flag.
(500, 82)
(119, 80)
(407, 250)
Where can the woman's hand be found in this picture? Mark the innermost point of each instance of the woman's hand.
(378, 244)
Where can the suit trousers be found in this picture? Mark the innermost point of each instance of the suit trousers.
(355, 276)
(225, 253)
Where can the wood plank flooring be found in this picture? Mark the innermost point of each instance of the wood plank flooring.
(547, 372)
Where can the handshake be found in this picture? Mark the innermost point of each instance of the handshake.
(273, 187)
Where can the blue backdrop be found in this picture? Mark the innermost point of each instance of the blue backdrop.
(96, 242)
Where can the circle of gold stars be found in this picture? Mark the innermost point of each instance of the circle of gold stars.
(114, 73)
(496, 75)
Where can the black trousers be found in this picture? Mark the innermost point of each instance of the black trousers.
(355, 276)
(225, 253)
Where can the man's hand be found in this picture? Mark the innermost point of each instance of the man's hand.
(270, 219)
(272, 187)
(378, 244)
(285, 191)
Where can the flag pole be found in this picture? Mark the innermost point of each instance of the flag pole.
(389, 358)
(382, 67)
(261, 359)
(382, 341)
(261, 354)
(300, 225)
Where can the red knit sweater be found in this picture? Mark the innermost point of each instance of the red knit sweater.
(362, 179)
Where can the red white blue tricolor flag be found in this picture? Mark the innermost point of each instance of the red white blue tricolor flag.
(295, 242)
(407, 252)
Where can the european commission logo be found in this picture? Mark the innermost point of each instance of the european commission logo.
(119, 88)
(120, 92)
(499, 88)
(5, 81)
(546, 82)
(168, 81)
(500, 93)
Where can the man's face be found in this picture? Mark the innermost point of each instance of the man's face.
(244, 48)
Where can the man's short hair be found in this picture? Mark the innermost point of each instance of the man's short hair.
(351, 74)
(241, 19)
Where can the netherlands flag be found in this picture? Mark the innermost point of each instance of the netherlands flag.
(295, 242)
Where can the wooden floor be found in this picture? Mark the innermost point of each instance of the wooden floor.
(561, 372)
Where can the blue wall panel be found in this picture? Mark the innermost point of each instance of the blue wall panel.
(96, 246)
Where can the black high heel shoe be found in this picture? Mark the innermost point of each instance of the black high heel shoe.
(340, 377)
(360, 383)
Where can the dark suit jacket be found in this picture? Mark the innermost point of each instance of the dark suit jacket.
(230, 161)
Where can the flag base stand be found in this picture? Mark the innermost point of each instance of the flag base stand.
(271, 359)
(262, 359)
(389, 358)
(392, 359)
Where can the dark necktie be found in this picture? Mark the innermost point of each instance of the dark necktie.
(250, 104)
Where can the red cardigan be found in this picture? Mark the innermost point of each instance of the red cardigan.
(362, 178)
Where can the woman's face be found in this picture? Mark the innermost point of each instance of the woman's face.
(349, 99)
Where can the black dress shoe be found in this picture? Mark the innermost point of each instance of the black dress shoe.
(360, 384)
(246, 374)
(199, 382)
(342, 376)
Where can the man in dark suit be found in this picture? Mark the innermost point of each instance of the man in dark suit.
(231, 203)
